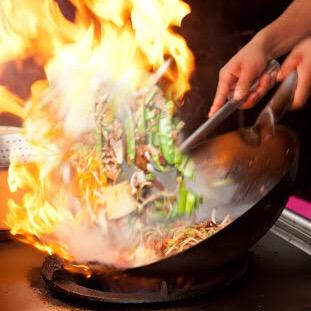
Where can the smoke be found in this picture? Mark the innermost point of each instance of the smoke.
(118, 245)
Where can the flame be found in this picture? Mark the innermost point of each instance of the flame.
(118, 44)
(33, 29)
(11, 103)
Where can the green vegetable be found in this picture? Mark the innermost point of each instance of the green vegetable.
(189, 169)
(149, 176)
(155, 139)
(99, 142)
(130, 138)
(159, 215)
(149, 137)
(166, 141)
(149, 114)
(158, 204)
(187, 201)
(174, 212)
(178, 156)
(182, 198)
(190, 203)
(142, 121)
(186, 166)
(157, 163)
(152, 94)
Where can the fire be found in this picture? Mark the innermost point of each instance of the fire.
(111, 49)
(11, 103)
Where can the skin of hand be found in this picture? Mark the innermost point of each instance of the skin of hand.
(276, 39)
(238, 75)
(299, 59)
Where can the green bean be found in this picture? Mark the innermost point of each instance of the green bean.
(142, 120)
(182, 197)
(166, 141)
(130, 138)
(190, 203)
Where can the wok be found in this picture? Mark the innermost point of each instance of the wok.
(261, 162)
(221, 258)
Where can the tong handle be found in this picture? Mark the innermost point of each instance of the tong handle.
(279, 103)
(225, 111)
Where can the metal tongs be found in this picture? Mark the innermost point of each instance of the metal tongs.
(230, 106)
(237, 169)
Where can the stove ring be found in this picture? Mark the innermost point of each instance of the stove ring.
(102, 289)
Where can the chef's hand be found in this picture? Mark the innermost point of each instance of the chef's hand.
(239, 74)
(299, 59)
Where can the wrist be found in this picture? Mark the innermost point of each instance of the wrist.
(265, 42)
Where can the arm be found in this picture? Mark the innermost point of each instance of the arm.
(285, 32)
(276, 39)
(299, 59)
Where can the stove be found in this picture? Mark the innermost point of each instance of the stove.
(278, 278)
(129, 288)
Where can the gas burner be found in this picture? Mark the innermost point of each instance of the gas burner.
(137, 289)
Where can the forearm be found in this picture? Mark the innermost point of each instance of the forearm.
(284, 33)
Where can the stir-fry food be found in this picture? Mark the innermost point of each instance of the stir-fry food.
(145, 178)
(138, 158)
(179, 237)
(182, 238)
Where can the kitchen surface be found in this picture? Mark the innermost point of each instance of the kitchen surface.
(278, 279)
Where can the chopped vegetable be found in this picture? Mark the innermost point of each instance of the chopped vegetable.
(185, 166)
(152, 94)
(178, 156)
(130, 138)
(99, 141)
(157, 163)
(166, 141)
(190, 203)
(118, 200)
(182, 198)
(155, 138)
(149, 176)
(145, 170)
(141, 120)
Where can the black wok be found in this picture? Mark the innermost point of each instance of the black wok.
(277, 148)
(220, 259)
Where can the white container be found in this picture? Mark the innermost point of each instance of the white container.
(10, 139)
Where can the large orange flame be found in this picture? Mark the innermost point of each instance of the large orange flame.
(120, 42)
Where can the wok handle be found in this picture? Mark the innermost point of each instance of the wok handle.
(279, 103)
